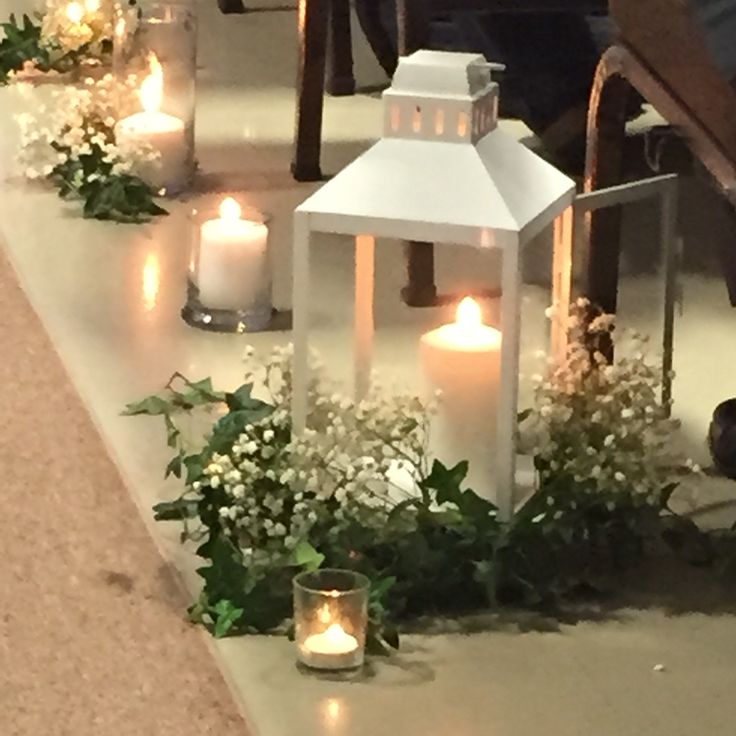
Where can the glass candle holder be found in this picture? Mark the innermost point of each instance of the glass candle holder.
(157, 47)
(331, 617)
(229, 286)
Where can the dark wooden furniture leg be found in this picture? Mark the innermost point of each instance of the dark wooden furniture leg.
(340, 79)
(369, 15)
(606, 134)
(420, 289)
(313, 17)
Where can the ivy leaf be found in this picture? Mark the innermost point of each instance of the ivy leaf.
(199, 393)
(151, 406)
(194, 467)
(232, 425)
(174, 467)
(307, 557)
(226, 574)
(172, 433)
(379, 588)
(225, 615)
(241, 399)
(177, 510)
(446, 481)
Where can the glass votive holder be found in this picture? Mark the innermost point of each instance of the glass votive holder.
(157, 47)
(331, 617)
(229, 286)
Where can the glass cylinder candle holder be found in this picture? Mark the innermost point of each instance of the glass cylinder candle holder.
(229, 287)
(157, 47)
(331, 617)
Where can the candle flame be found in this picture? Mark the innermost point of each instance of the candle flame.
(120, 28)
(229, 210)
(92, 6)
(324, 614)
(75, 12)
(152, 87)
(335, 634)
(468, 313)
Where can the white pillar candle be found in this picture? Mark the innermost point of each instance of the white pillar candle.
(463, 361)
(232, 267)
(164, 133)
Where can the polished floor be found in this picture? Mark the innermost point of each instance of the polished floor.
(109, 297)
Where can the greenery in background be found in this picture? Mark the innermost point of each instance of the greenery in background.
(21, 43)
(263, 507)
(24, 47)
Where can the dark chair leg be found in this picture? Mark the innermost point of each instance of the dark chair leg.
(420, 289)
(606, 137)
(369, 16)
(340, 79)
(313, 16)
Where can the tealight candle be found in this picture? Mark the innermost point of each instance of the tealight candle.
(164, 133)
(232, 265)
(331, 646)
(331, 622)
(463, 360)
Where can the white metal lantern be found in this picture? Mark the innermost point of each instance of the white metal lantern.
(443, 173)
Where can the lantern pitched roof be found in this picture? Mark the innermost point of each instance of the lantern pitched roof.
(444, 171)
(478, 194)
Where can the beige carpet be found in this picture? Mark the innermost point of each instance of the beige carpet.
(92, 639)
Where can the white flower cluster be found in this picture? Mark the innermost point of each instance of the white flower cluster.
(70, 25)
(602, 427)
(77, 119)
(281, 490)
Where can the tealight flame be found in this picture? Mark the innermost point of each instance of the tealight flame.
(468, 313)
(152, 87)
(324, 615)
(229, 210)
(75, 13)
(92, 6)
(120, 28)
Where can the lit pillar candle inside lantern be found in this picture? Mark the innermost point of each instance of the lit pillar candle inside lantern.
(163, 132)
(232, 267)
(463, 360)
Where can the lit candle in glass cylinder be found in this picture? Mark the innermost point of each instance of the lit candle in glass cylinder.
(230, 274)
(163, 132)
(331, 617)
(463, 360)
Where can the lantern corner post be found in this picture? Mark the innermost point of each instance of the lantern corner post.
(364, 325)
(300, 305)
(564, 238)
(509, 399)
